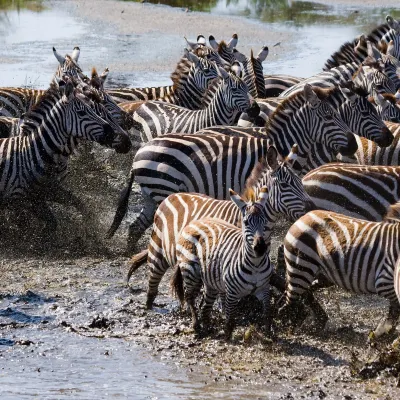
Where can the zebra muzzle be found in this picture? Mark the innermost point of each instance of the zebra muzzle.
(259, 246)
(351, 147)
(386, 139)
(254, 110)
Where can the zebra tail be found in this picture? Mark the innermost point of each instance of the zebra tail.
(122, 206)
(177, 284)
(136, 261)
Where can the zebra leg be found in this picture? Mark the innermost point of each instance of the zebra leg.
(389, 323)
(209, 298)
(264, 296)
(157, 268)
(230, 314)
(142, 222)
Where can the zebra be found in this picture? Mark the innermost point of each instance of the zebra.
(226, 260)
(276, 84)
(29, 162)
(357, 51)
(367, 153)
(286, 196)
(229, 95)
(367, 77)
(354, 254)
(16, 101)
(225, 49)
(190, 81)
(211, 163)
(354, 108)
(252, 71)
(359, 191)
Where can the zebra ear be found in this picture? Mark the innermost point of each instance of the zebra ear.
(292, 157)
(311, 96)
(59, 57)
(213, 43)
(373, 52)
(361, 43)
(263, 196)
(390, 48)
(75, 54)
(192, 57)
(262, 54)
(272, 157)
(104, 75)
(236, 69)
(192, 45)
(222, 73)
(241, 204)
(394, 24)
(348, 94)
(201, 40)
(233, 42)
(239, 56)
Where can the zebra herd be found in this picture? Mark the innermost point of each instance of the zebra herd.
(223, 153)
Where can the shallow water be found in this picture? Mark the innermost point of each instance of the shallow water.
(60, 363)
(28, 35)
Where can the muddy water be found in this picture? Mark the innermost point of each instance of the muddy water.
(52, 344)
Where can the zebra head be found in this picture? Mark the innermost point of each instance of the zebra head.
(236, 94)
(286, 193)
(393, 35)
(96, 92)
(387, 106)
(69, 66)
(253, 224)
(202, 71)
(329, 127)
(253, 73)
(362, 117)
(225, 50)
(78, 117)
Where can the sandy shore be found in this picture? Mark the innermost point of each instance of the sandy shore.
(359, 3)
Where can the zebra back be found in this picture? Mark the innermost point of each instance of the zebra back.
(276, 84)
(360, 191)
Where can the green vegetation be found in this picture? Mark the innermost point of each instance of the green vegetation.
(36, 6)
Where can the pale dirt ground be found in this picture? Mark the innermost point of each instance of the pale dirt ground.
(300, 365)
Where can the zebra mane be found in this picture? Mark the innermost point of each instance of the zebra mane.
(391, 98)
(377, 32)
(252, 181)
(181, 71)
(49, 94)
(222, 46)
(393, 213)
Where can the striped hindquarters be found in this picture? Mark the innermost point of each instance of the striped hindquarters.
(16, 101)
(354, 254)
(276, 84)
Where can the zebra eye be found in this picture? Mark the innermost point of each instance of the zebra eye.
(81, 113)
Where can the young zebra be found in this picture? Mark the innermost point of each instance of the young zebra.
(190, 81)
(210, 164)
(357, 50)
(354, 254)
(230, 95)
(16, 101)
(227, 260)
(29, 163)
(286, 196)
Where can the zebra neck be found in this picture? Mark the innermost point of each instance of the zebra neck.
(217, 111)
(250, 261)
(188, 95)
(294, 125)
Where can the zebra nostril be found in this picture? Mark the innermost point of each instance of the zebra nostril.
(351, 147)
(254, 110)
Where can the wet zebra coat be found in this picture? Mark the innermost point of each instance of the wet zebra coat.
(211, 164)
(226, 260)
(29, 163)
(286, 196)
(354, 254)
